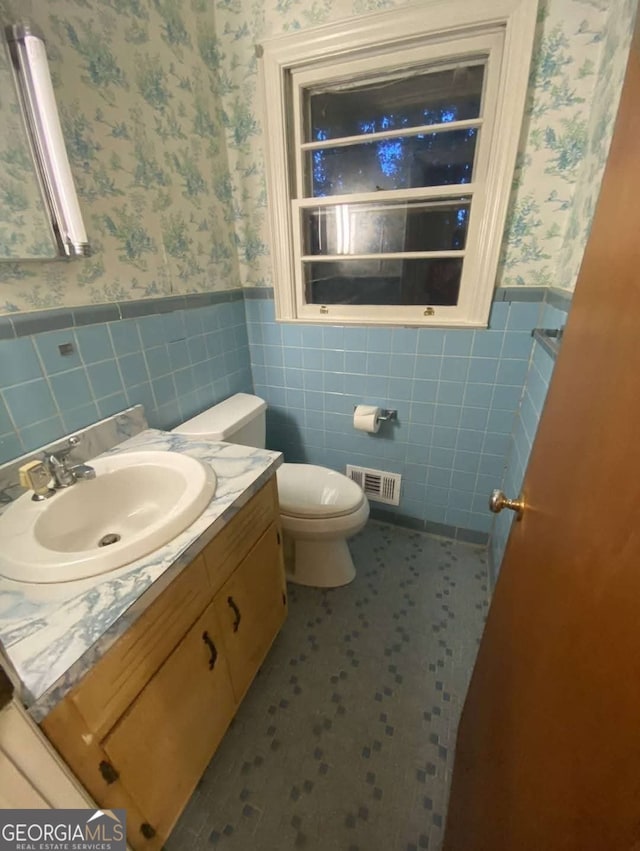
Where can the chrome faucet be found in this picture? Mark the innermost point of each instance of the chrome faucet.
(63, 476)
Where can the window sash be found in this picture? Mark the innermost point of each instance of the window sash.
(309, 203)
(376, 204)
(467, 51)
(392, 313)
(307, 179)
(382, 255)
(370, 78)
(417, 193)
(416, 130)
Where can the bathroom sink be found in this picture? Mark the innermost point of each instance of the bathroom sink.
(137, 502)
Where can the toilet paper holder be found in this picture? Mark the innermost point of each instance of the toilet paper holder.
(385, 415)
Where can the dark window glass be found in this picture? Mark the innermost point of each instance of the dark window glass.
(380, 282)
(381, 229)
(431, 98)
(429, 159)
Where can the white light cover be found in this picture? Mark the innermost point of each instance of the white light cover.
(46, 133)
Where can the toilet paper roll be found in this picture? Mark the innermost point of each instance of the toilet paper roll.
(365, 418)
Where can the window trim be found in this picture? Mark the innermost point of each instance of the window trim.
(314, 54)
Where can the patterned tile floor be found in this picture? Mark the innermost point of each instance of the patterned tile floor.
(345, 739)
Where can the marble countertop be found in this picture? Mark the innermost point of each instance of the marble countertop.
(51, 635)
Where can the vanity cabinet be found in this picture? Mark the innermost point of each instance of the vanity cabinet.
(250, 606)
(142, 725)
(163, 743)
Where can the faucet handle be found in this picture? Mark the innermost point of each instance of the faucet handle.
(62, 453)
(35, 476)
(72, 442)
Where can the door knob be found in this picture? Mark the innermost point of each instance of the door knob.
(498, 501)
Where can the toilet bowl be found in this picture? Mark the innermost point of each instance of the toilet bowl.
(319, 508)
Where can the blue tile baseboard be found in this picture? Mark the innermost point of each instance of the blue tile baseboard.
(258, 292)
(6, 328)
(442, 530)
(559, 298)
(519, 294)
(38, 321)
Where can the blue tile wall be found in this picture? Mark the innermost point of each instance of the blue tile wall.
(175, 364)
(461, 428)
(456, 391)
(525, 426)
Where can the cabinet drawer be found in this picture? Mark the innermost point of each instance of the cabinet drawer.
(110, 686)
(232, 544)
(252, 606)
(164, 742)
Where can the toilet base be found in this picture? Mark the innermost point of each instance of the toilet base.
(321, 564)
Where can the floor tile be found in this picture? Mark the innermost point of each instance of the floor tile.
(345, 740)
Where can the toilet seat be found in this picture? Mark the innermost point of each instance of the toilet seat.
(308, 491)
(326, 528)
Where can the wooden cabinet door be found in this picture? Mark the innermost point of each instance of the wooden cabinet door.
(163, 743)
(252, 605)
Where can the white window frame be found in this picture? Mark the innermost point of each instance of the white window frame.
(434, 32)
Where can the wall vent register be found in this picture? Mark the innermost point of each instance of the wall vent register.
(378, 485)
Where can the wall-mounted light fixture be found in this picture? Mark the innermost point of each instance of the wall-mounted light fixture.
(31, 69)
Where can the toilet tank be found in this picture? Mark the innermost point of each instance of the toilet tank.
(239, 419)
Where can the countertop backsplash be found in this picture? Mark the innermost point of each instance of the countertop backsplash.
(94, 440)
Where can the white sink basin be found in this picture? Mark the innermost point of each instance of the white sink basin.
(138, 502)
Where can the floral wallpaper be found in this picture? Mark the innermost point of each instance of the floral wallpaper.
(136, 84)
(616, 38)
(566, 70)
(160, 113)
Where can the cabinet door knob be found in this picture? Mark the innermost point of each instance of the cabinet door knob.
(212, 649)
(236, 611)
(109, 773)
(147, 830)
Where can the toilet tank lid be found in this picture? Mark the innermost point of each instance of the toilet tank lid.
(220, 421)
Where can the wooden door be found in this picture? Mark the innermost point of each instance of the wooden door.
(164, 741)
(252, 606)
(548, 753)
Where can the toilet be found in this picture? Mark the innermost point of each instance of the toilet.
(319, 508)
